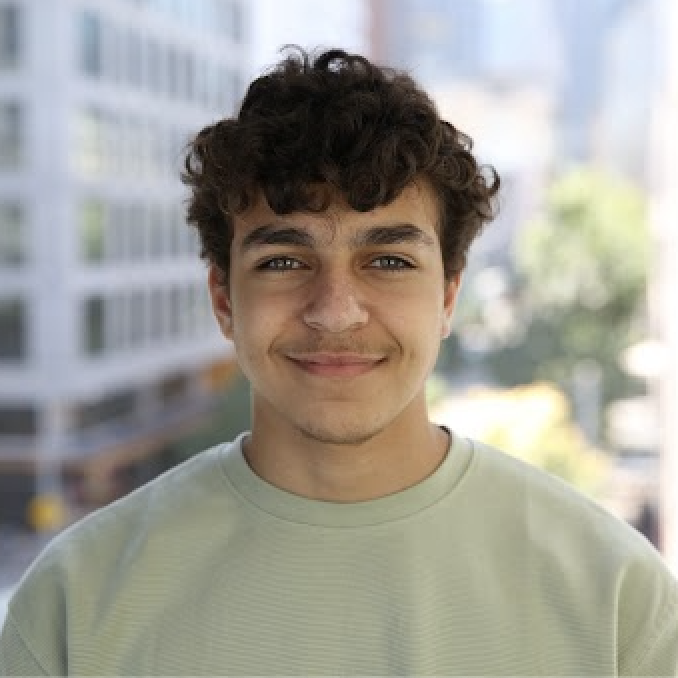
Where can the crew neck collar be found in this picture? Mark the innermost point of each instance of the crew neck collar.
(289, 507)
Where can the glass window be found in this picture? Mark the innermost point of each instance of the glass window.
(173, 84)
(110, 408)
(94, 325)
(137, 232)
(154, 66)
(92, 230)
(116, 234)
(91, 142)
(188, 65)
(187, 311)
(90, 44)
(156, 238)
(200, 80)
(10, 135)
(175, 310)
(113, 52)
(137, 318)
(12, 243)
(115, 318)
(12, 330)
(18, 420)
(156, 314)
(175, 233)
(133, 58)
(9, 37)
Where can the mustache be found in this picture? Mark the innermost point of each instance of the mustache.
(336, 346)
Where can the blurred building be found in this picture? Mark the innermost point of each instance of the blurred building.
(477, 58)
(107, 345)
(276, 23)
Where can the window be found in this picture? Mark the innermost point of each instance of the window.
(136, 232)
(12, 330)
(91, 146)
(137, 318)
(12, 245)
(92, 230)
(113, 52)
(94, 325)
(175, 311)
(116, 318)
(90, 44)
(18, 420)
(10, 135)
(133, 58)
(156, 240)
(9, 37)
(154, 66)
(188, 66)
(120, 405)
(174, 231)
(156, 313)
(173, 84)
(117, 233)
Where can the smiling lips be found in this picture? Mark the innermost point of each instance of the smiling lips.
(336, 364)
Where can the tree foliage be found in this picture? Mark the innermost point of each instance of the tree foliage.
(580, 289)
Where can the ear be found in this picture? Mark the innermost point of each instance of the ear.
(221, 300)
(449, 301)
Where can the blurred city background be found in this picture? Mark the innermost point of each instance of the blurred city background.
(565, 350)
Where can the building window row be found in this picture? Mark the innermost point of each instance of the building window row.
(111, 144)
(113, 233)
(13, 245)
(124, 55)
(9, 37)
(119, 321)
(13, 330)
(10, 135)
(18, 420)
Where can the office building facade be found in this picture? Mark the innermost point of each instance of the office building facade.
(107, 344)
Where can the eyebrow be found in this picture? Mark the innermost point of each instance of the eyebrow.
(272, 234)
(393, 235)
(276, 234)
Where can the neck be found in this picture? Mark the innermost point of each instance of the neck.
(389, 462)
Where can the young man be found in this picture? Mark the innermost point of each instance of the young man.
(346, 534)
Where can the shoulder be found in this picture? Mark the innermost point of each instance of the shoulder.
(546, 501)
(134, 534)
(580, 556)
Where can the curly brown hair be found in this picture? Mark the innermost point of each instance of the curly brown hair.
(315, 126)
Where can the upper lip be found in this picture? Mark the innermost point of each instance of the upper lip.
(342, 358)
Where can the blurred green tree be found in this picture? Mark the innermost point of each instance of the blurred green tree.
(579, 293)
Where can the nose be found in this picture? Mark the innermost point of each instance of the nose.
(334, 305)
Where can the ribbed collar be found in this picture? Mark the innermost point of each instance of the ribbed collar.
(294, 508)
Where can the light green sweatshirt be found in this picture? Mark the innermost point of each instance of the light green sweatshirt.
(487, 567)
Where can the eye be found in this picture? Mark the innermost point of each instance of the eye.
(391, 263)
(280, 264)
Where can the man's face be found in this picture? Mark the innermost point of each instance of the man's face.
(337, 317)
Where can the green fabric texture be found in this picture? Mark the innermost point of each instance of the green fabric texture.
(487, 567)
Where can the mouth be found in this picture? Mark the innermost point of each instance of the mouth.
(336, 364)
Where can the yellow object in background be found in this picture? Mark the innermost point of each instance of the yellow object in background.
(46, 513)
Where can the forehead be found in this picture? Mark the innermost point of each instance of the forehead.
(416, 205)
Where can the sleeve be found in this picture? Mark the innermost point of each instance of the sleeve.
(33, 640)
(16, 659)
(649, 625)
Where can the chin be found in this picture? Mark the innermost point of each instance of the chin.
(339, 435)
